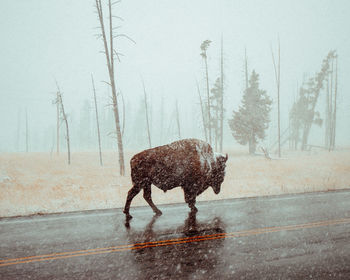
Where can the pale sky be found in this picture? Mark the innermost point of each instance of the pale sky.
(46, 40)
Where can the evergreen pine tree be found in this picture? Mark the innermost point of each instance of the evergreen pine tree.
(248, 125)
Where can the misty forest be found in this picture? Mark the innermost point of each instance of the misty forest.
(86, 86)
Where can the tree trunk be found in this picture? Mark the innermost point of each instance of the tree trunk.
(97, 121)
(208, 97)
(297, 138)
(202, 111)
(277, 77)
(252, 145)
(119, 135)
(335, 103)
(306, 132)
(327, 121)
(222, 97)
(147, 120)
(278, 99)
(64, 117)
(67, 137)
(251, 141)
(331, 110)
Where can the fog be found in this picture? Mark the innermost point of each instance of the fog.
(44, 41)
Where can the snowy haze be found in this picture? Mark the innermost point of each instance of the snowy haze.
(46, 40)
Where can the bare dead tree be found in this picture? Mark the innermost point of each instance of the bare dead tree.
(97, 120)
(147, 119)
(327, 118)
(64, 118)
(221, 96)
(202, 111)
(246, 68)
(278, 83)
(109, 53)
(216, 111)
(330, 113)
(331, 101)
(246, 76)
(178, 120)
(204, 47)
(294, 123)
(335, 102)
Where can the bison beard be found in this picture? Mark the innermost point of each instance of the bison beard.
(190, 164)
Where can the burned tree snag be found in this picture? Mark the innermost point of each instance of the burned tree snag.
(64, 118)
(97, 121)
(147, 119)
(204, 47)
(203, 114)
(278, 83)
(109, 53)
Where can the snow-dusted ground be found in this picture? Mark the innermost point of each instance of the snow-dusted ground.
(40, 183)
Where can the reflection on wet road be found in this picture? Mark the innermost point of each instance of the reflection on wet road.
(181, 252)
(295, 237)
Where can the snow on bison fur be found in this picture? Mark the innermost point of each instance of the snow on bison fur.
(189, 164)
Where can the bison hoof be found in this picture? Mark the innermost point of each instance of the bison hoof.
(127, 215)
(158, 212)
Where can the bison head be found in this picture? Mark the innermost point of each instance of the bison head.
(218, 172)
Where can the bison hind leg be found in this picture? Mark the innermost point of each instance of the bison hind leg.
(147, 195)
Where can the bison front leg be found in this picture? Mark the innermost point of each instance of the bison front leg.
(147, 195)
(131, 194)
(190, 199)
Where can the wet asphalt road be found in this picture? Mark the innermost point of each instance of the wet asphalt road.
(303, 236)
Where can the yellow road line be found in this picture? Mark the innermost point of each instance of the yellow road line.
(127, 247)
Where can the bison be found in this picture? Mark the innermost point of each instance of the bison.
(189, 164)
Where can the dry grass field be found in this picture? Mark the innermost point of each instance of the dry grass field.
(39, 183)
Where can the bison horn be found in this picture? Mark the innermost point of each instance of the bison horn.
(226, 158)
